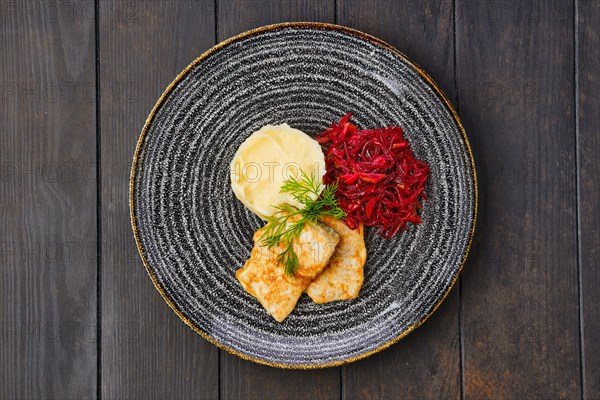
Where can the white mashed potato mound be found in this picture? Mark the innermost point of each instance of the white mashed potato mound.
(266, 159)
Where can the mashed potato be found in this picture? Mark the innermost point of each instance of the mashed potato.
(266, 159)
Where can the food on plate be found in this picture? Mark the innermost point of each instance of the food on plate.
(380, 182)
(265, 279)
(313, 241)
(266, 159)
(343, 277)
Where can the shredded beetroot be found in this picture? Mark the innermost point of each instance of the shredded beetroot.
(380, 182)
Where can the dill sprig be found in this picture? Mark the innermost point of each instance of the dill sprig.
(281, 230)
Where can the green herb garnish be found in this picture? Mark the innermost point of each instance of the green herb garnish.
(280, 230)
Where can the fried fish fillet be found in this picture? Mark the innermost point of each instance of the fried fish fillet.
(344, 276)
(264, 278)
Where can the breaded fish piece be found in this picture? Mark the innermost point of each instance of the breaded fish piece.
(344, 276)
(264, 278)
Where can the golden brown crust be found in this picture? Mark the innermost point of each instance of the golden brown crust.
(264, 278)
(344, 276)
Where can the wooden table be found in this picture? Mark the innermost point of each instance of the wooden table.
(80, 318)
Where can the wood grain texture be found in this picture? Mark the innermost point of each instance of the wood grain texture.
(242, 379)
(147, 352)
(520, 298)
(426, 364)
(589, 189)
(47, 203)
(237, 16)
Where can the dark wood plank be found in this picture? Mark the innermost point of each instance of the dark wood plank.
(147, 352)
(520, 298)
(589, 189)
(237, 16)
(240, 378)
(426, 364)
(47, 202)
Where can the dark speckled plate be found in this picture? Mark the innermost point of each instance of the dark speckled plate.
(193, 234)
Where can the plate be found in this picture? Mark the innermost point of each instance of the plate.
(193, 234)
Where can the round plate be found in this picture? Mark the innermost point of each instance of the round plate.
(193, 234)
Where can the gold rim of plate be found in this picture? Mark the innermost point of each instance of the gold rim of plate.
(197, 61)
